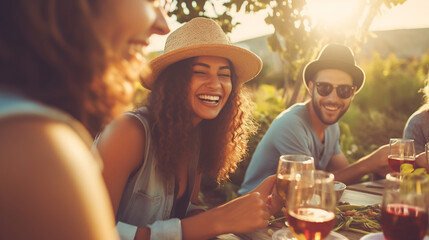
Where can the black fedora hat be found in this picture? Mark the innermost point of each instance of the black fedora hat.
(335, 56)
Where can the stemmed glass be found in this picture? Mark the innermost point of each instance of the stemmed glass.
(401, 151)
(288, 166)
(311, 204)
(404, 212)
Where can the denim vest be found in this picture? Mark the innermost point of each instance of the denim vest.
(147, 196)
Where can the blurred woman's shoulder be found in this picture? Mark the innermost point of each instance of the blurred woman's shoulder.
(47, 168)
(14, 107)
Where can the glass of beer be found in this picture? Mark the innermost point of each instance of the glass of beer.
(311, 205)
(288, 166)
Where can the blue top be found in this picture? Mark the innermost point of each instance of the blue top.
(14, 105)
(290, 133)
(417, 128)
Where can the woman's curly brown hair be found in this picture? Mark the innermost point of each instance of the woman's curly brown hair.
(51, 52)
(223, 139)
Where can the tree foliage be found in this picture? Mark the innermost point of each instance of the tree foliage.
(296, 38)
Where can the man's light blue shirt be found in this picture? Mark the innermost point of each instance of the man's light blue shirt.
(290, 133)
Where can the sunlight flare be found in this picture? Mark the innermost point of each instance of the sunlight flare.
(332, 13)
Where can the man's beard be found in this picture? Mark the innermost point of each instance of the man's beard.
(320, 115)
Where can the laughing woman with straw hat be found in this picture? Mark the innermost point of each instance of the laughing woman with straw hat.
(195, 123)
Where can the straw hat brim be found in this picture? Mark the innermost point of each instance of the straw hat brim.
(247, 65)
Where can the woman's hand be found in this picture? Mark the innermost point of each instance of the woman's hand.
(244, 214)
(268, 191)
(253, 210)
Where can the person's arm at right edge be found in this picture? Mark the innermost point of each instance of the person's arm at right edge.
(51, 187)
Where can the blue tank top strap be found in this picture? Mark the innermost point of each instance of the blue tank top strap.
(14, 105)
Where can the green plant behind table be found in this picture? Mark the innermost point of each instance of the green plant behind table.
(380, 111)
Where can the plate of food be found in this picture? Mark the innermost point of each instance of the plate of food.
(286, 234)
(363, 219)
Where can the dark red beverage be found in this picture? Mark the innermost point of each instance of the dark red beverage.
(400, 221)
(313, 223)
(395, 163)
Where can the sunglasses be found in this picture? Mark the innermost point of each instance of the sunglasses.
(343, 91)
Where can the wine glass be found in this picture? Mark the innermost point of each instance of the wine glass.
(311, 204)
(404, 213)
(288, 166)
(401, 151)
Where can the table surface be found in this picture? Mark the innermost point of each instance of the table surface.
(354, 194)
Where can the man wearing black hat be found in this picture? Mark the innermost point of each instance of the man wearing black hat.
(311, 128)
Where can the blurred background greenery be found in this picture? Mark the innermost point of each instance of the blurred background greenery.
(392, 92)
(378, 112)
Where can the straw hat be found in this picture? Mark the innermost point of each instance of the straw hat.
(204, 37)
(335, 56)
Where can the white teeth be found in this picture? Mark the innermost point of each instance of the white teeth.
(332, 108)
(209, 97)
